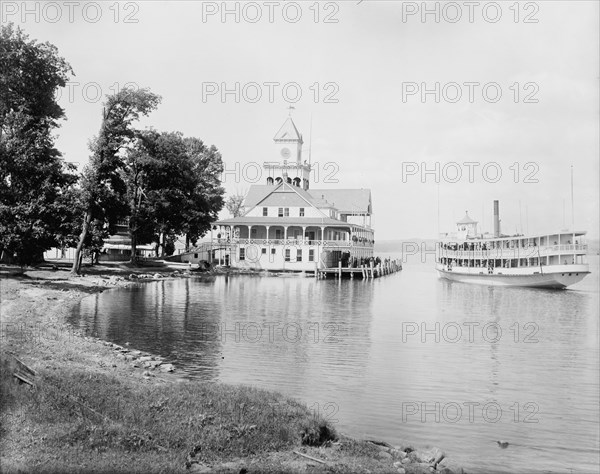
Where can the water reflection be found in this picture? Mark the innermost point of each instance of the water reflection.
(214, 328)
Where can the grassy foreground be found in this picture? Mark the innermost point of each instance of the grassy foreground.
(93, 411)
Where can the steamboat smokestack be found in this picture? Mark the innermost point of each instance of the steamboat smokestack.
(496, 219)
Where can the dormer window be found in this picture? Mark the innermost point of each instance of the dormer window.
(280, 212)
(265, 211)
(301, 212)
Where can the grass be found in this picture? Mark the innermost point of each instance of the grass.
(90, 421)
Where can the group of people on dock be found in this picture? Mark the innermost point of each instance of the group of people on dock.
(355, 262)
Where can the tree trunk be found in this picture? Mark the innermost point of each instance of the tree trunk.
(133, 247)
(187, 242)
(84, 231)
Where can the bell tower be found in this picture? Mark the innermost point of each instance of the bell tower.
(287, 164)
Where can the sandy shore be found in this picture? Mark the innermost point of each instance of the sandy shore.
(34, 308)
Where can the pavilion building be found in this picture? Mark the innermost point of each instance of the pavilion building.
(287, 226)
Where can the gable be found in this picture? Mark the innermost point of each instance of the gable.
(283, 199)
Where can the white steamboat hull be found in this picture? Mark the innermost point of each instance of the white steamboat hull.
(547, 279)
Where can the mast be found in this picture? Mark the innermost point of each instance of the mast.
(573, 213)
(438, 209)
(520, 217)
(310, 142)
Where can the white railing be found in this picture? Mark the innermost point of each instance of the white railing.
(517, 252)
(296, 242)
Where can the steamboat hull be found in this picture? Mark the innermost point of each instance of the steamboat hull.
(553, 280)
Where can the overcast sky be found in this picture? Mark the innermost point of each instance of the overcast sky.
(361, 68)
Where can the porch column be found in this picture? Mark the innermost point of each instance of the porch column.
(303, 233)
(322, 234)
(267, 226)
(285, 228)
(249, 232)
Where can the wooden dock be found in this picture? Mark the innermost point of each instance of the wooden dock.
(363, 271)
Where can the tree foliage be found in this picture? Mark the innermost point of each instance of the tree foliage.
(163, 183)
(35, 201)
(207, 198)
(235, 204)
(173, 187)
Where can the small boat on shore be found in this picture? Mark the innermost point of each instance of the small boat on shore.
(556, 260)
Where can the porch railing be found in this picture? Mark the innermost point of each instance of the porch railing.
(297, 242)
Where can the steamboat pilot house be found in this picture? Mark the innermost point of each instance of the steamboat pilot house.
(287, 226)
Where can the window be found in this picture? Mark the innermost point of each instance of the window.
(265, 211)
(264, 251)
(242, 254)
(287, 212)
(195, 255)
(299, 255)
(280, 212)
(253, 231)
(301, 212)
(287, 255)
(272, 251)
(311, 255)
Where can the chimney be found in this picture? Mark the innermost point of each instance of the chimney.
(496, 219)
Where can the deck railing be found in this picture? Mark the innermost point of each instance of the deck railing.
(295, 242)
(516, 252)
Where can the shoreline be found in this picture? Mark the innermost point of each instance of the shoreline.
(44, 296)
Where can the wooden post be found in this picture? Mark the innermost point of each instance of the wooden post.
(372, 269)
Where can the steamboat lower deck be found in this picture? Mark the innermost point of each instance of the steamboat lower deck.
(556, 277)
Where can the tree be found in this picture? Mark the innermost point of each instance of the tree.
(34, 180)
(235, 204)
(103, 187)
(207, 199)
(173, 187)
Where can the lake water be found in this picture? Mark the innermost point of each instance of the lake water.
(408, 358)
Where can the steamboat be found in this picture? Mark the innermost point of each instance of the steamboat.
(555, 260)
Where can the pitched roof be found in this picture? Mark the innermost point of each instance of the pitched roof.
(288, 132)
(284, 197)
(346, 201)
(466, 220)
(290, 221)
(257, 193)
